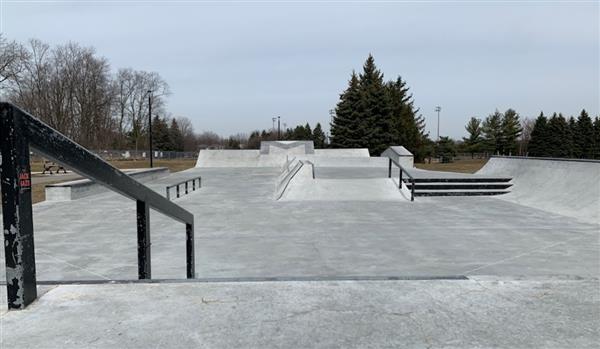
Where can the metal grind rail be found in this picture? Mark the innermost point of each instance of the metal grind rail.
(400, 179)
(186, 186)
(20, 130)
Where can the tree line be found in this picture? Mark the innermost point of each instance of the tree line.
(499, 133)
(73, 90)
(375, 114)
(569, 138)
(509, 134)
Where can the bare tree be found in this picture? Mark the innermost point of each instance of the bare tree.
(187, 131)
(208, 139)
(527, 126)
(70, 88)
(12, 58)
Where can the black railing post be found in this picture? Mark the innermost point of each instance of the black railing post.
(194, 184)
(390, 169)
(177, 190)
(412, 190)
(400, 179)
(186, 187)
(19, 252)
(143, 240)
(189, 251)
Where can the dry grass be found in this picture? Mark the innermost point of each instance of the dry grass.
(38, 191)
(463, 166)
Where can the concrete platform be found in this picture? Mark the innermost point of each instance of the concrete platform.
(478, 313)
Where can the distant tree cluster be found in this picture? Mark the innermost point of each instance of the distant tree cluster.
(73, 90)
(298, 133)
(375, 114)
(560, 137)
(507, 134)
(499, 133)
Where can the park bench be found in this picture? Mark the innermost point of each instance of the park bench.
(49, 166)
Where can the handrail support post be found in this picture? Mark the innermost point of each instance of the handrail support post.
(189, 251)
(143, 240)
(15, 174)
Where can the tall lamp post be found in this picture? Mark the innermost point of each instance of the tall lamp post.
(150, 126)
(278, 127)
(438, 109)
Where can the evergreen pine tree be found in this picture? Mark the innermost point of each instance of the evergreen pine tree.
(375, 109)
(558, 137)
(538, 144)
(492, 132)
(572, 131)
(308, 134)
(511, 130)
(407, 127)
(584, 136)
(346, 128)
(597, 138)
(160, 134)
(318, 137)
(175, 136)
(473, 143)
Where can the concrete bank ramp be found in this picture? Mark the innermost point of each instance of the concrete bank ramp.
(567, 187)
(276, 153)
(297, 184)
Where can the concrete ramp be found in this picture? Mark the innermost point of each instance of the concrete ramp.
(298, 184)
(277, 153)
(567, 187)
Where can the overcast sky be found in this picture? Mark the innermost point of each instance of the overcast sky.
(232, 66)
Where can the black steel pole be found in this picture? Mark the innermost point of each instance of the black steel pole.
(150, 125)
(19, 252)
(143, 240)
(278, 127)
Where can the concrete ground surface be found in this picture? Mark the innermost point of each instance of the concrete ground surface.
(479, 313)
(533, 274)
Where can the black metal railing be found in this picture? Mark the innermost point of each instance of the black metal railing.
(185, 185)
(400, 177)
(20, 130)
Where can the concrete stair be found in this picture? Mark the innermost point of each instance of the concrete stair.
(474, 186)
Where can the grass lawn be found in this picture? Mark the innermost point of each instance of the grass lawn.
(464, 166)
(38, 191)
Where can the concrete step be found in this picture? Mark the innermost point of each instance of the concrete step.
(459, 185)
(460, 192)
(463, 179)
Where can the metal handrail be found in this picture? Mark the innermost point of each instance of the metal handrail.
(176, 185)
(311, 164)
(18, 131)
(402, 169)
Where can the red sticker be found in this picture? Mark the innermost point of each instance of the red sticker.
(24, 181)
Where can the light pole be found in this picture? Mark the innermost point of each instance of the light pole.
(438, 109)
(278, 127)
(150, 125)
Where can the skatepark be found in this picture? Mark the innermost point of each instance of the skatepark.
(291, 240)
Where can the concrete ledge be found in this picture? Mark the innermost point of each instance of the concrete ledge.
(77, 189)
(401, 155)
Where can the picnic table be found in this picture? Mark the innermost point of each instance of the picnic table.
(50, 165)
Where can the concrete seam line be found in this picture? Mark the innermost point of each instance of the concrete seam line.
(42, 251)
(256, 279)
(523, 254)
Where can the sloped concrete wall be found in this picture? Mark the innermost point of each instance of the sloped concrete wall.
(566, 187)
